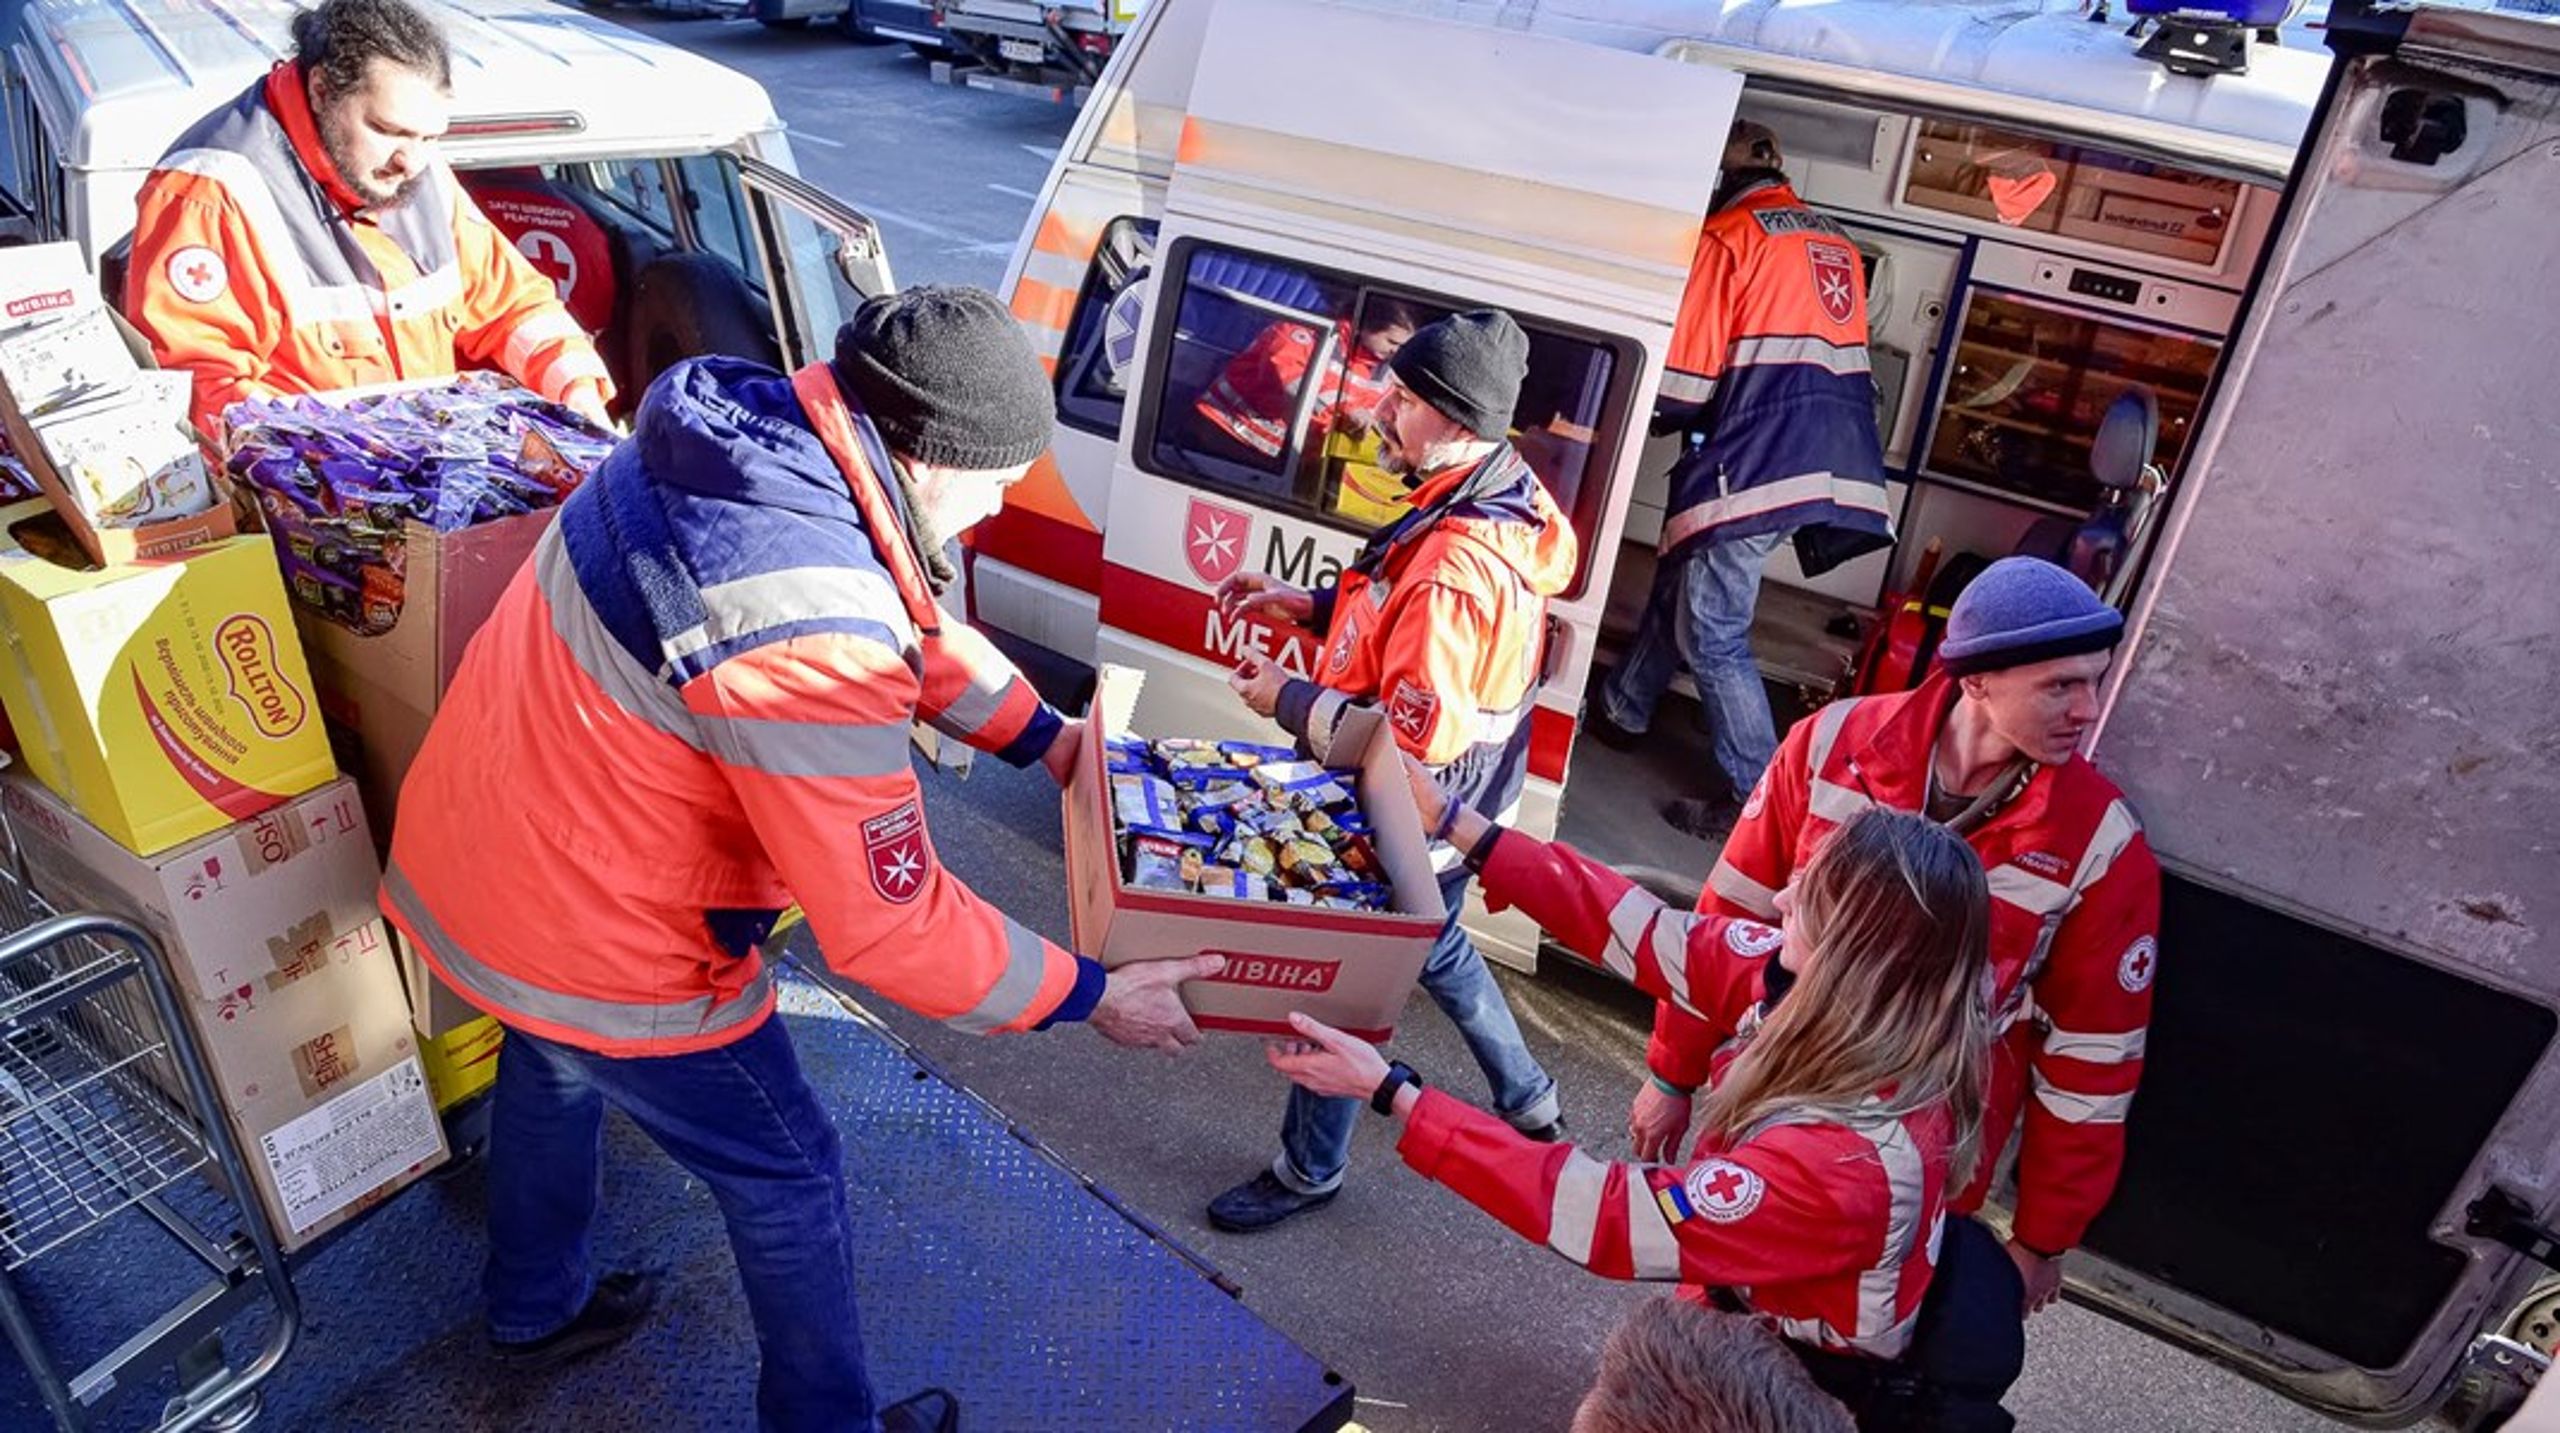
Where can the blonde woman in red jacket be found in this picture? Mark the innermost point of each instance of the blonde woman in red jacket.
(1839, 1121)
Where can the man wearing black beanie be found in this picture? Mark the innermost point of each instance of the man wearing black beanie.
(690, 711)
(1440, 620)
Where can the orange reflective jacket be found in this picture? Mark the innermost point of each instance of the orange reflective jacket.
(256, 268)
(691, 710)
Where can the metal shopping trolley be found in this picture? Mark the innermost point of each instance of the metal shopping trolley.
(107, 1115)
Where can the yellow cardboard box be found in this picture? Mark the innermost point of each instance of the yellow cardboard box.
(165, 698)
(462, 1061)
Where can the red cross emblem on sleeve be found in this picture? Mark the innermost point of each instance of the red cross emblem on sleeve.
(1723, 1191)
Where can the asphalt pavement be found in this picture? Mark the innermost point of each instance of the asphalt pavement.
(1443, 1319)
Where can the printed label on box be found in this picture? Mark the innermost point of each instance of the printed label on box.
(346, 1149)
(1278, 972)
(304, 949)
(324, 1060)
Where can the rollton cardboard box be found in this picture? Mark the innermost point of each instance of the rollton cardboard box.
(1351, 969)
(167, 697)
(279, 954)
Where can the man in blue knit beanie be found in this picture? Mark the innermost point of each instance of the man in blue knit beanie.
(1990, 747)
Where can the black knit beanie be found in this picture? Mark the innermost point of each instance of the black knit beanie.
(948, 377)
(1469, 366)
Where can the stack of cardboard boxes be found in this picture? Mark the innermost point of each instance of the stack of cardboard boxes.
(173, 766)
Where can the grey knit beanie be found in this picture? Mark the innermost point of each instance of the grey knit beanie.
(2023, 610)
(948, 377)
(1469, 366)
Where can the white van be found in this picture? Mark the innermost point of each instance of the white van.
(655, 188)
(2326, 277)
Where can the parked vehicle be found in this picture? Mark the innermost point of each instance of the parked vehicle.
(670, 230)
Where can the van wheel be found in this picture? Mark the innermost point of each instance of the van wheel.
(689, 306)
(849, 25)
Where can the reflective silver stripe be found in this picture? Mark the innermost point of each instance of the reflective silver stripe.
(1573, 1221)
(1880, 1288)
(429, 293)
(2080, 1109)
(1011, 996)
(1322, 718)
(1682, 387)
(1626, 931)
(606, 1019)
(1671, 952)
(574, 622)
(1827, 724)
(1728, 881)
(1653, 1249)
(976, 705)
(546, 327)
(792, 594)
(1841, 359)
(1817, 1332)
(1836, 804)
(2096, 1048)
(247, 189)
(2115, 832)
(806, 748)
(2028, 891)
(1770, 497)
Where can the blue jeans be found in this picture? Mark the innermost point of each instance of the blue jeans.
(1699, 615)
(1315, 1136)
(739, 1118)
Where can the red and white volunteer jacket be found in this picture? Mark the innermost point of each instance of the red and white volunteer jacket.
(2075, 917)
(1827, 1224)
(258, 270)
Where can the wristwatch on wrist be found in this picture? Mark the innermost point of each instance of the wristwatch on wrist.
(1399, 1075)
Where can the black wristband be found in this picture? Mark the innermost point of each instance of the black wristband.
(1399, 1075)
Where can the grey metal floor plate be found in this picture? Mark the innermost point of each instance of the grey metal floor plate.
(984, 1267)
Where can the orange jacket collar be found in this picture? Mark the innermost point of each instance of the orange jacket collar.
(291, 104)
(832, 420)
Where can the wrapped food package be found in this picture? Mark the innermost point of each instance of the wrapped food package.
(339, 479)
(130, 458)
(1242, 822)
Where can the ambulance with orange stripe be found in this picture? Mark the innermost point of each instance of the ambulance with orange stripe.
(1195, 214)
(2301, 415)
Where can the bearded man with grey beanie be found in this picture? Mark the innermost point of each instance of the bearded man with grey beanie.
(1990, 747)
(690, 711)
(1440, 621)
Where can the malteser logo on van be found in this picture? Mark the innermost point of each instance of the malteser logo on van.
(1213, 539)
(27, 304)
(248, 648)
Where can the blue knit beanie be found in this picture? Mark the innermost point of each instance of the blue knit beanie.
(2023, 610)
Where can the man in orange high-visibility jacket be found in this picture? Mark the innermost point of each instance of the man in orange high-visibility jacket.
(1768, 377)
(1989, 747)
(305, 237)
(1439, 622)
(690, 710)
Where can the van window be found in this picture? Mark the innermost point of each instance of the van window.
(719, 212)
(1265, 383)
(638, 188)
(1102, 336)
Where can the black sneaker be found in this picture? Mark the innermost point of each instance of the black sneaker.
(932, 1411)
(1261, 1202)
(617, 1308)
(1552, 1132)
(1702, 817)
